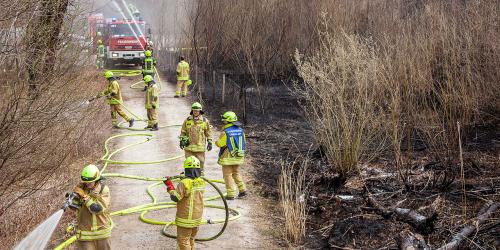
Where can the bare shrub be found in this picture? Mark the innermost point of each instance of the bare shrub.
(293, 190)
(338, 98)
(47, 131)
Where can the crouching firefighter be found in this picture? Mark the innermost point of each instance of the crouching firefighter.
(92, 200)
(152, 103)
(114, 96)
(189, 198)
(232, 154)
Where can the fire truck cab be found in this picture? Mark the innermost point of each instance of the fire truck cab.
(125, 41)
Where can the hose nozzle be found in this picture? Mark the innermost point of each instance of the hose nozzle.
(72, 201)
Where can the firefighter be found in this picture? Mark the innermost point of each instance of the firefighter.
(182, 78)
(232, 154)
(196, 134)
(189, 198)
(114, 96)
(148, 66)
(94, 221)
(101, 54)
(152, 102)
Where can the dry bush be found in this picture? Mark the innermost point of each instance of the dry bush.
(47, 132)
(425, 66)
(293, 190)
(337, 95)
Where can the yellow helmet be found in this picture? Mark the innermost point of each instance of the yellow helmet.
(192, 162)
(148, 78)
(90, 173)
(229, 116)
(148, 53)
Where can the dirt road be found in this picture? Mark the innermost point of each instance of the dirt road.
(129, 231)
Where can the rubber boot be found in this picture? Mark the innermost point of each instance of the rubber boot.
(155, 127)
(176, 96)
(131, 122)
(241, 194)
(229, 197)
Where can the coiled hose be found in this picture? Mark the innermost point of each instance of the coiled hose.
(230, 213)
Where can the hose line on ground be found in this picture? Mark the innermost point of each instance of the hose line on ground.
(230, 213)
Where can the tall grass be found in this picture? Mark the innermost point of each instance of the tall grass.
(293, 190)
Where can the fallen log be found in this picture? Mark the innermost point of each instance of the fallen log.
(483, 215)
(407, 240)
(424, 224)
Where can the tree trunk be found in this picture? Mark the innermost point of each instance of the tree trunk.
(42, 38)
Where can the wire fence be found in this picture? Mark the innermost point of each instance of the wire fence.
(225, 89)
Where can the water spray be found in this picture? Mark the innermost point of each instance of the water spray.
(130, 26)
(133, 18)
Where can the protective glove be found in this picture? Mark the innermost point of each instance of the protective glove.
(145, 88)
(184, 142)
(154, 106)
(113, 94)
(209, 145)
(83, 195)
(168, 183)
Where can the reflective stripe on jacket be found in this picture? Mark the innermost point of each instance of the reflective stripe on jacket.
(152, 93)
(232, 145)
(189, 194)
(113, 88)
(183, 71)
(95, 225)
(199, 131)
(148, 65)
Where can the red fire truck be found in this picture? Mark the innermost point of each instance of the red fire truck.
(123, 46)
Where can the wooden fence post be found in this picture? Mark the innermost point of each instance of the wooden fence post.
(223, 87)
(213, 86)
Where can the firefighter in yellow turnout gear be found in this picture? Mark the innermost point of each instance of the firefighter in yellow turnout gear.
(101, 54)
(94, 221)
(152, 102)
(148, 66)
(196, 134)
(114, 96)
(232, 154)
(182, 78)
(189, 198)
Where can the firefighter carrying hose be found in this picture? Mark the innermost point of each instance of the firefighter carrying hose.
(152, 102)
(182, 78)
(232, 154)
(94, 222)
(101, 54)
(189, 198)
(196, 134)
(148, 65)
(114, 96)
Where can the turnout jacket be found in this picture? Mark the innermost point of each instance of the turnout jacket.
(113, 92)
(189, 198)
(94, 221)
(199, 131)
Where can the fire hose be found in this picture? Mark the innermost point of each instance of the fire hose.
(230, 213)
